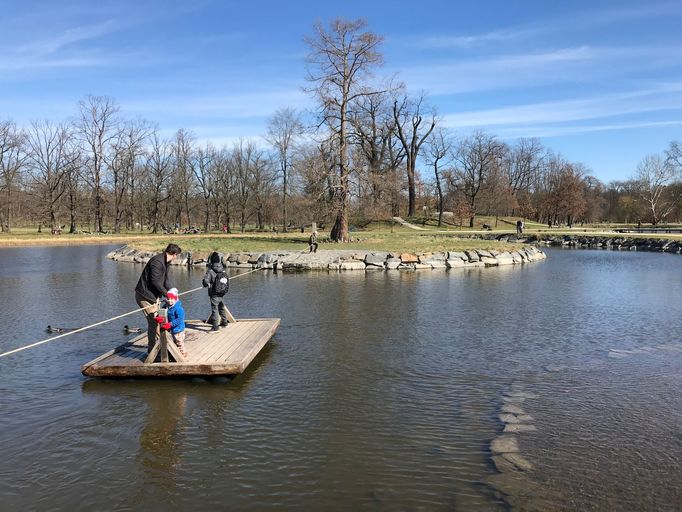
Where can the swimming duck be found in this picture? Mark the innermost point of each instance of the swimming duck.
(132, 330)
(54, 329)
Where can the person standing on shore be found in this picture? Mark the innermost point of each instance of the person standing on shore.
(152, 286)
(312, 241)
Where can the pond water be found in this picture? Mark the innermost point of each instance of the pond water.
(380, 391)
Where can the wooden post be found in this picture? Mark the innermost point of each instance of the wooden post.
(314, 226)
(163, 340)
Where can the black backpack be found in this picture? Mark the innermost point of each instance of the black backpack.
(221, 284)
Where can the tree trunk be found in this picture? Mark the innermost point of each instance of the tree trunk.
(411, 192)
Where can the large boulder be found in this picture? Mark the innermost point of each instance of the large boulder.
(472, 255)
(455, 263)
(393, 263)
(407, 257)
(352, 265)
(375, 260)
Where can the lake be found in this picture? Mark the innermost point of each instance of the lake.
(379, 391)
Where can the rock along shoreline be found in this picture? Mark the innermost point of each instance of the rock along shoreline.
(337, 260)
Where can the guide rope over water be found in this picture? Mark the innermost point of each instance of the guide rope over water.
(81, 329)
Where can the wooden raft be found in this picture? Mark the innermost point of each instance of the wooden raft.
(225, 352)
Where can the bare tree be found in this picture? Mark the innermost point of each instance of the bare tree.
(203, 164)
(374, 134)
(284, 128)
(183, 178)
(654, 175)
(339, 63)
(439, 152)
(12, 159)
(98, 126)
(52, 156)
(158, 172)
(127, 150)
(522, 166)
(409, 120)
(475, 158)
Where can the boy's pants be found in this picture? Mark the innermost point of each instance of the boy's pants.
(179, 340)
(218, 311)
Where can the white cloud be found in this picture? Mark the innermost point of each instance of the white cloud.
(567, 23)
(558, 131)
(665, 97)
(564, 65)
(69, 37)
(244, 105)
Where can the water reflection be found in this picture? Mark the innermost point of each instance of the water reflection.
(161, 437)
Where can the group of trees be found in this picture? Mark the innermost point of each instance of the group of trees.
(369, 150)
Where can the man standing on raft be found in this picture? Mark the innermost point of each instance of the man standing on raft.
(153, 285)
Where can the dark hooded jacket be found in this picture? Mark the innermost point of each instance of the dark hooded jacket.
(215, 267)
(154, 282)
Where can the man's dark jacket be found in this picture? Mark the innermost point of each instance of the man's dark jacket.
(153, 282)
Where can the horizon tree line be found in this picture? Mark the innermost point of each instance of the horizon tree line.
(369, 151)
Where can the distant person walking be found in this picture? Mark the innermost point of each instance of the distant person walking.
(152, 286)
(312, 242)
(519, 227)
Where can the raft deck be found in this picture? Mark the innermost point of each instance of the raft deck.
(210, 353)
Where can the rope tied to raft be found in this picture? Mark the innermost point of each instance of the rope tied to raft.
(102, 322)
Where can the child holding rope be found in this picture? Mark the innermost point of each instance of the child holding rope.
(176, 320)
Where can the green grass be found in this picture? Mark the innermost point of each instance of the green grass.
(373, 240)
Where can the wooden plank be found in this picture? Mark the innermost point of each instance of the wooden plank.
(253, 333)
(247, 353)
(120, 348)
(162, 370)
(217, 342)
(238, 338)
(208, 344)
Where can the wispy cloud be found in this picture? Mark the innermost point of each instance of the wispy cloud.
(568, 23)
(663, 98)
(57, 42)
(241, 105)
(567, 65)
(558, 131)
(60, 50)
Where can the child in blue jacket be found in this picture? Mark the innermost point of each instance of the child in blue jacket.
(176, 320)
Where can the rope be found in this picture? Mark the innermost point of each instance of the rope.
(25, 347)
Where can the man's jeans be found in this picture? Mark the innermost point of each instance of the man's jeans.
(153, 329)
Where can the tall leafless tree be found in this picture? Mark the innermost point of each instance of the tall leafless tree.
(12, 159)
(284, 128)
(413, 126)
(340, 62)
(98, 127)
(475, 158)
(654, 175)
(440, 149)
(53, 155)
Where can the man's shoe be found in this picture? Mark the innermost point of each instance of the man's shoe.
(224, 324)
(215, 328)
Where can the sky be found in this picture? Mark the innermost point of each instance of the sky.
(598, 82)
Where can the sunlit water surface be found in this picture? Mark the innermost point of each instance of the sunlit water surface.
(380, 391)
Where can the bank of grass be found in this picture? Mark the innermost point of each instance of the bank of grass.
(377, 236)
(398, 241)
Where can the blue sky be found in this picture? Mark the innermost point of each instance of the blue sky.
(599, 82)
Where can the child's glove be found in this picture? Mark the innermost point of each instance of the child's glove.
(159, 319)
(166, 326)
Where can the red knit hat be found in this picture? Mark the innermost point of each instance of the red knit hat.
(173, 294)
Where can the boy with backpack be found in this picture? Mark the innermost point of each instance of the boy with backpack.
(218, 283)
